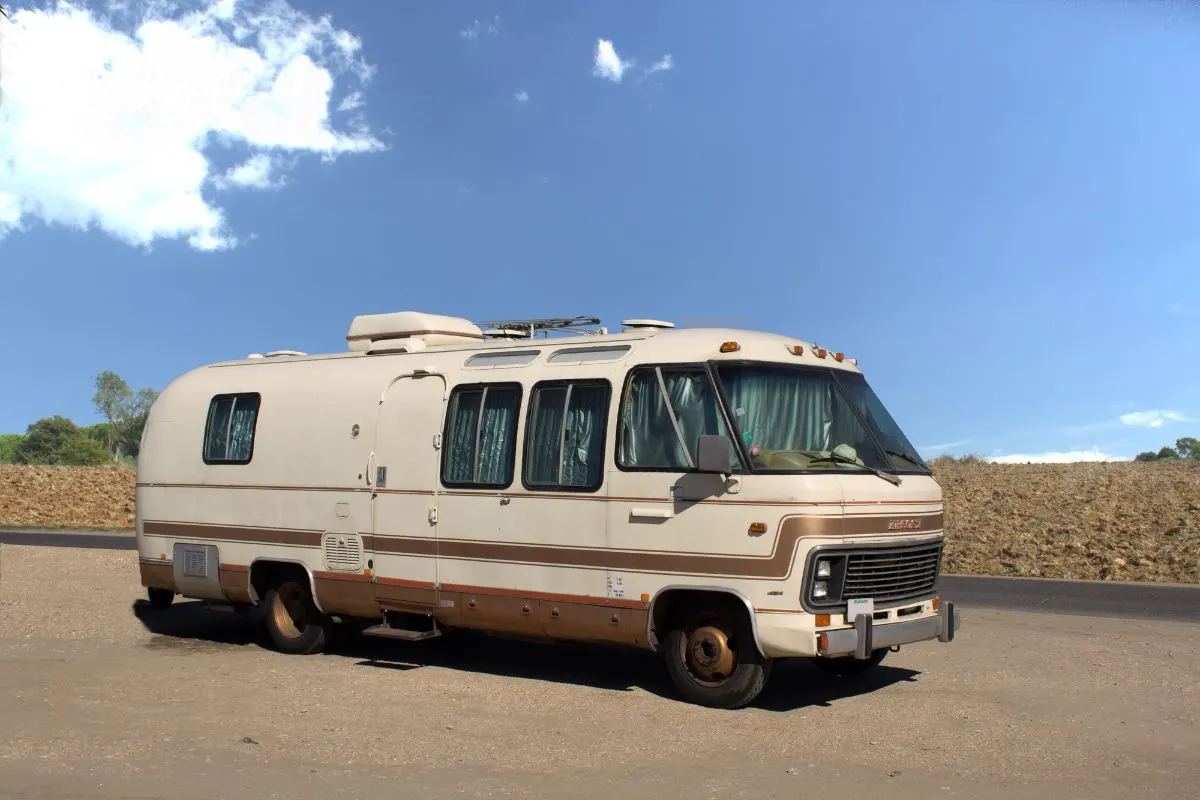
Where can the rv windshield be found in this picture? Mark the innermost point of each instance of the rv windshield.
(799, 418)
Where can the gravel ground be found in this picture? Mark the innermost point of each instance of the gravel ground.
(103, 698)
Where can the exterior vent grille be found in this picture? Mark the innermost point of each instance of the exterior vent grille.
(195, 565)
(892, 574)
(343, 551)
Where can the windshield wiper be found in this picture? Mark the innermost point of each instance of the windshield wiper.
(887, 476)
(907, 456)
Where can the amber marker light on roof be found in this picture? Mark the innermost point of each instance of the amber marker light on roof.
(821, 352)
(729, 347)
(796, 349)
(839, 356)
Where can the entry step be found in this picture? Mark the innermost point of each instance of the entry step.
(388, 632)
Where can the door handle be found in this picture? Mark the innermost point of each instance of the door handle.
(651, 513)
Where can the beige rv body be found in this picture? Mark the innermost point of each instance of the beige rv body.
(345, 482)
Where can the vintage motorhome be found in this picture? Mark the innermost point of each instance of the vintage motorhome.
(724, 497)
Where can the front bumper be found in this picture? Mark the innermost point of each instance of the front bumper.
(866, 637)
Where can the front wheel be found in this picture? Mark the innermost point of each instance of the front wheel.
(159, 598)
(295, 624)
(713, 660)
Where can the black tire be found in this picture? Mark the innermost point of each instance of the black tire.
(849, 665)
(160, 598)
(295, 624)
(713, 660)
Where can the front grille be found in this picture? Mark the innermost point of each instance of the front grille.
(896, 573)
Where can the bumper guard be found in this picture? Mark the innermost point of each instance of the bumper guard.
(866, 637)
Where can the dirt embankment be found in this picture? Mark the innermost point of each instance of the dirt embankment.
(1108, 521)
(66, 497)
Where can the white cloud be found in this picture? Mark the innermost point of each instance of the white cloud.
(1153, 419)
(475, 29)
(1070, 456)
(120, 116)
(938, 448)
(257, 172)
(608, 64)
(662, 65)
(351, 102)
(522, 96)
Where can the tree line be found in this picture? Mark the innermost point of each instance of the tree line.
(1185, 449)
(58, 440)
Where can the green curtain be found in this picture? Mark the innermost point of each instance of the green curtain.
(483, 424)
(566, 436)
(780, 409)
(648, 434)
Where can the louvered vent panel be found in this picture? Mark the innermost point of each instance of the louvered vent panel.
(343, 552)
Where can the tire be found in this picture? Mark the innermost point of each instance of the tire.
(160, 598)
(849, 665)
(293, 621)
(713, 660)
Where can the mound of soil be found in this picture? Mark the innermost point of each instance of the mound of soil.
(66, 497)
(1100, 521)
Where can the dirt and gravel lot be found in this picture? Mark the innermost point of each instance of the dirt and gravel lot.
(102, 698)
(1105, 521)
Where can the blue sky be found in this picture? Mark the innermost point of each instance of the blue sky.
(991, 204)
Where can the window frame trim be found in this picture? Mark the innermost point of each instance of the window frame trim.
(446, 425)
(697, 366)
(212, 402)
(569, 384)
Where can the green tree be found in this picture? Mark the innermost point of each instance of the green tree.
(1167, 454)
(1188, 448)
(1146, 456)
(125, 412)
(57, 440)
(9, 442)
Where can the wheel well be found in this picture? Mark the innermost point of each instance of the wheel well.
(673, 606)
(264, 575)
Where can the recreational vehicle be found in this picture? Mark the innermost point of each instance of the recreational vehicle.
(723, 497)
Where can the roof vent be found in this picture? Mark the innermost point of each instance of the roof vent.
(275, 353)
(407, 331)
(506, 333)
(647, 324)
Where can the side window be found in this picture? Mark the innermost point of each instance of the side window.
(481, 435)
(564, 438)
(229, 431)
(663, 414)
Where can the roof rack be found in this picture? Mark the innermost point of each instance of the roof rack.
(528, 328)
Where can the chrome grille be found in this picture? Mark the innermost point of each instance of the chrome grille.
(896, 573)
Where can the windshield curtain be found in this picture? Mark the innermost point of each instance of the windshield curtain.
(792, 419)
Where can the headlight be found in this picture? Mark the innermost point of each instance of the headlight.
(823, 569)
(820, 589)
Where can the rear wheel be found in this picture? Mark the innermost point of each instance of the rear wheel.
(293, 620)
(713, 660)
(160, 598)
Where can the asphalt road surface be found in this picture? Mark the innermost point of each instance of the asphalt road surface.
(102, 697)
(1102, 598)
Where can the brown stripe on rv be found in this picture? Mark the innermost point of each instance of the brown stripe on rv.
(157, 574)
(777, 565)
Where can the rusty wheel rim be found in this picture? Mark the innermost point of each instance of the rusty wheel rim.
(709, 653)
(289, 610)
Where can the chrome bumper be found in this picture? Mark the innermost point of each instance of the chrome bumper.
(866, 637)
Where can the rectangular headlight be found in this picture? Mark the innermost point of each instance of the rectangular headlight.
(823, 568)
(820, 589)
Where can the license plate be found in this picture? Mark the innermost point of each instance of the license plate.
(856, 607)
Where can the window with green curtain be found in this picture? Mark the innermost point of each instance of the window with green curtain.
(229, 432)
(481, 433)
(664, 413)
(564, 446)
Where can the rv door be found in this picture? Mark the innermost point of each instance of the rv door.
(404, 484)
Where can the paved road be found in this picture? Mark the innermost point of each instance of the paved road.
(1125, 600)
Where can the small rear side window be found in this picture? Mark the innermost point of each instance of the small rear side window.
(229, 432)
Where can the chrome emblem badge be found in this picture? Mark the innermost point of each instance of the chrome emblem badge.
(903, 524)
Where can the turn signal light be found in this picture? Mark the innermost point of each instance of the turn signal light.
(758, 527)
(729, 347)
(937, 603)
(822, 643)
(823, 620)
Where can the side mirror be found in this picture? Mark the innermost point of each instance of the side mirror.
(714, 454)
